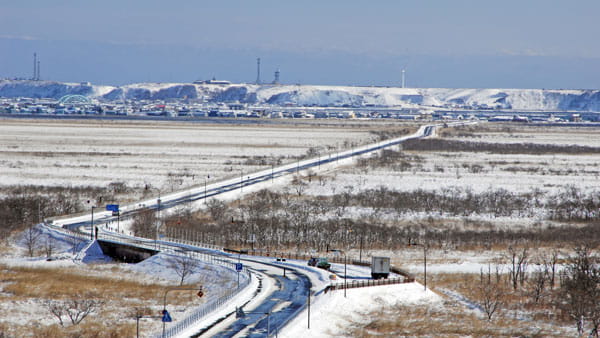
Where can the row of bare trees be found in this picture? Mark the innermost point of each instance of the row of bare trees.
(577, 296)
(437, 144)
(567, 204)
(22, 206)
(285, 220)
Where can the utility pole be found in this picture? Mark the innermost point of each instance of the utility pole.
(345, 275)
(361, 246)
(238, 273)
(308, 309)
(319, 159)
(207, 177)
(425, 266)
(157, 221)
(92, 225)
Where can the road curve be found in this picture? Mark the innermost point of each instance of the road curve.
(292, 292)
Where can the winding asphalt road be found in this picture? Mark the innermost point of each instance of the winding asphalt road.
(216, 189)
(291, 294)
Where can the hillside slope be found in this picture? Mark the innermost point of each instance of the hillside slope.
(307, 95)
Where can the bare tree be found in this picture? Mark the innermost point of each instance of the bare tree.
(144, 223)
(76, 309)
(49, 247)
(57, 309)
(538, 282)
(550, 264)
(79, 308)
(581, 290)
(518, 265)
(299, 185)
(183, 266)
(76, 242)
(342, 200)
(491, 291)
(217, 209)
(31, 240)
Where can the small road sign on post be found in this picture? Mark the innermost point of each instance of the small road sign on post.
(112, 207)
(166, 318)
(238, 268)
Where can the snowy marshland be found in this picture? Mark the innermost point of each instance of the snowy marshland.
(165, 156)
(455, 263)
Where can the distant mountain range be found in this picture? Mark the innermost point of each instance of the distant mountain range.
(309, 95)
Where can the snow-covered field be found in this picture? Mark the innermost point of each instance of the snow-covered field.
(518, 173)
(332, 314)
(141, 152)
(481, 171)
(523, 133)
(164, 156)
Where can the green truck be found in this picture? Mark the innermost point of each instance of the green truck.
(319, 262)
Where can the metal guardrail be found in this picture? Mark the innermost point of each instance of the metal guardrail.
(192, 243)
(163, 245)
(367, 283)
(340, 260)
(202, 311)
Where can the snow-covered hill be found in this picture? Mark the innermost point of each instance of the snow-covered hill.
(307, 95)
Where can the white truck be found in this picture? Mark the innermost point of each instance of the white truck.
(380, 267)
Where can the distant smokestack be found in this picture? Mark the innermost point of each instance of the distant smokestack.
(258, 71)
(276, 81)
(38, 71)
(34, 66)
(403, 78)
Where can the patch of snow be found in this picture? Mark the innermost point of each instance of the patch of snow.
(94, 254)
(332, 313)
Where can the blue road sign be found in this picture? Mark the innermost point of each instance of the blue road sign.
(166, 317)
(112, 207)
(238, 267)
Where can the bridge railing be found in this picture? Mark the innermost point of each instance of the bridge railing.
(202, 311)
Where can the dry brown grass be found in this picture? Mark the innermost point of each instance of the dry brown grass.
(4, 247)
(20, 285)
(518, 302)
(447, 321)
(61, 283)
(89, 329)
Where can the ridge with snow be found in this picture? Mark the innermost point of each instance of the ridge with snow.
(317, 95)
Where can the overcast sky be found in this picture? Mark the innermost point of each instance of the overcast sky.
(441, 43)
